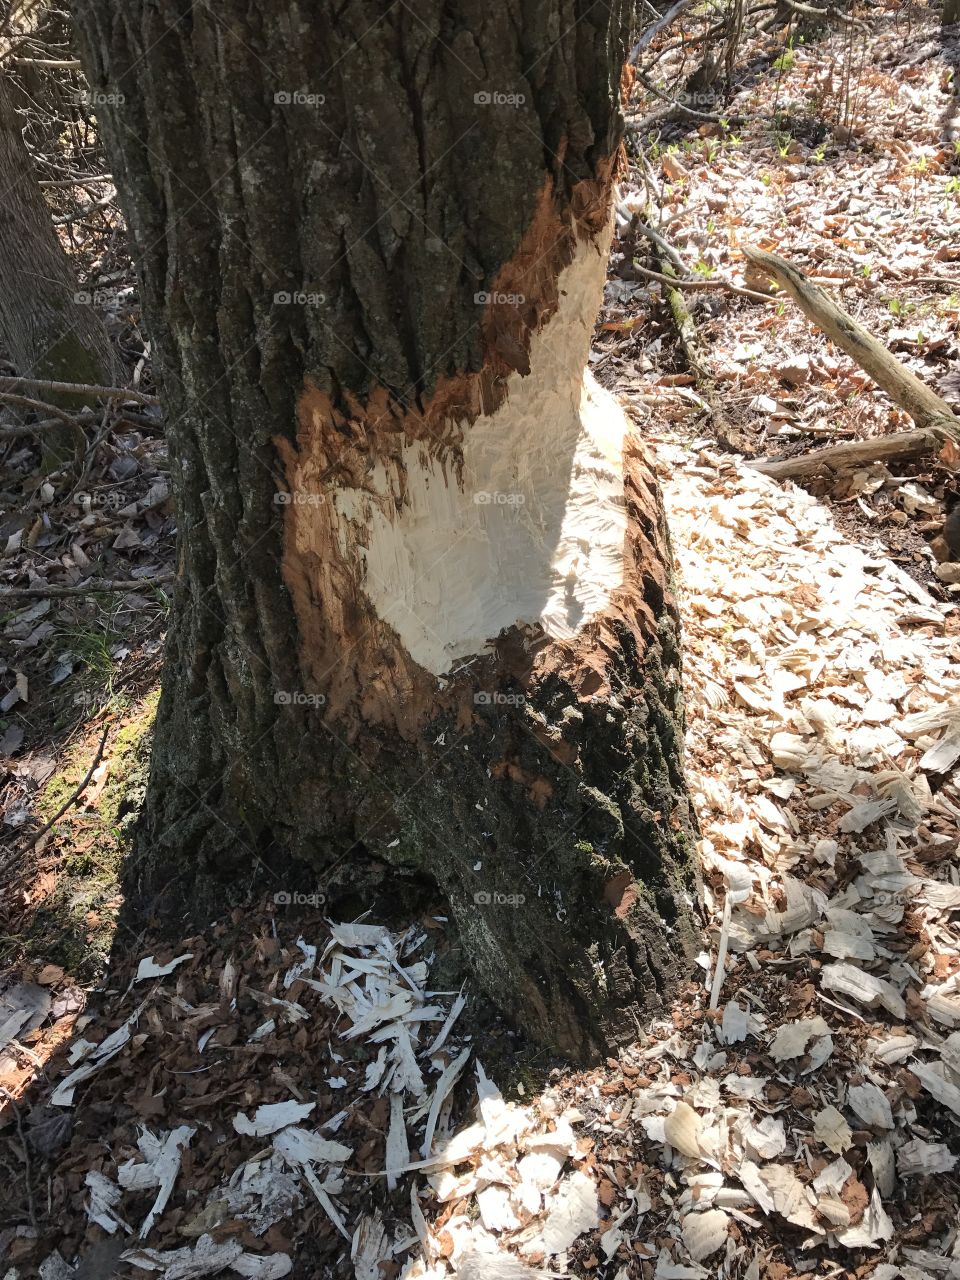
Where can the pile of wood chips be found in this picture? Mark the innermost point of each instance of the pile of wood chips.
(287, 1096)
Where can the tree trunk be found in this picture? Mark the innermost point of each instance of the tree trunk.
(48, 328)
(424, 615)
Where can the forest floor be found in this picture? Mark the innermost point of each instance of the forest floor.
(287, 1095)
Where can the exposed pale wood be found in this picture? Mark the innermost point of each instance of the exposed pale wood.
(903, 387)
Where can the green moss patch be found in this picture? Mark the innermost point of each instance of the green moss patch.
(74, 923)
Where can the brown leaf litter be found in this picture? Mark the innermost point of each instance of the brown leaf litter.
(276, 1099)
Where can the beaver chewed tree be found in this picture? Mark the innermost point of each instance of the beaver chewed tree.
(424, 613)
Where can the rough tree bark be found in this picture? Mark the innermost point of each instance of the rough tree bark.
(46, 331)
(424, 614)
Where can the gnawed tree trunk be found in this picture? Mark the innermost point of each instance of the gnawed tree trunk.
(48, 328)
(424, 613)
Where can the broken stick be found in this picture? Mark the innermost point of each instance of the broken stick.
(91, 586)
(903, 387)
(80, 389)
(854, 453)
(77, 792)
(687, 333)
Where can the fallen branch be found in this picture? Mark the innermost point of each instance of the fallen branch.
(837, 15)
(37, 406)
(904, 388)
(77, 389)
(65, 64)
(67, 219)
(128, 418)
(27, 1166)
(940, 280)
(77, 793)
(655, 28)
(701, 282)
(675, 108)
(88, 588)
(687, 333)
(686, 279)
(78, 181)
(18, 430)
(665, 247)
(853, 453)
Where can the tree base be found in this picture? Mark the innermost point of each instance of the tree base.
(545, 799)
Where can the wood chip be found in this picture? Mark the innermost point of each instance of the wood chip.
(682, 1129)
(705, 1233)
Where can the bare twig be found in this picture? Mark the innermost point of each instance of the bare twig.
(666, 248)
(701, 282)
(65, 219)
(939, 280)
(675, 108)
(66, 64)
(655, 28)
(686, 279)
(810, 11)
(79, 181)
(38, 406)
(27, 1166)
(78, 792)
(77, 389)
(88, 588)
